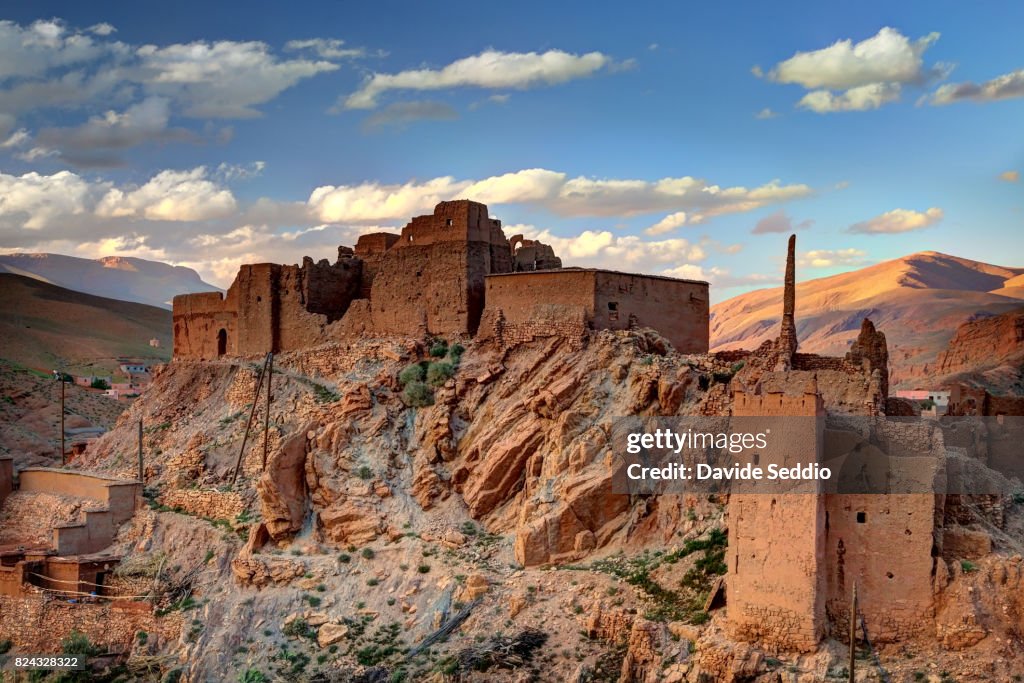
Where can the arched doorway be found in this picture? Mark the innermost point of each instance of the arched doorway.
(222, 342)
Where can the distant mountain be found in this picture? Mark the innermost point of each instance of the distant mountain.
(44, 326)
(115, 277)
(918, 301)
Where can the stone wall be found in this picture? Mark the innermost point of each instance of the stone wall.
(209, 503)
(546, 320)
(36, 623)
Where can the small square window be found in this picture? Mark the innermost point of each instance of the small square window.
(448, 222)
(862, 517)
(613, 306)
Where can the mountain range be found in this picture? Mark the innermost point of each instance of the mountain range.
(918, 301)
(115, 277)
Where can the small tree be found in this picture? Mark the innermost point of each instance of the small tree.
(98, 383)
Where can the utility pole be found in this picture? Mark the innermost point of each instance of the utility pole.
(266, 418)
(63, 458)
(252, 413)
(141, 478)
(853, 630)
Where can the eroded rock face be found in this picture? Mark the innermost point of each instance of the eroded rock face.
(282, 487)
(870, 351)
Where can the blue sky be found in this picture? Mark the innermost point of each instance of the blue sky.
(679, 139)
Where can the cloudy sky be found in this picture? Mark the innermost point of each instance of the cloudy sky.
(681, 140)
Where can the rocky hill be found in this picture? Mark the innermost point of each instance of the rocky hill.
(412, 486)
(44, 326)
(115, 277)
(988, 351)
(918, 300)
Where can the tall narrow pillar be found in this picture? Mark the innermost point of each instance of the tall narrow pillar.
(787, 333)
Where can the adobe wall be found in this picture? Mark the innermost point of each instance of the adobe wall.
(884, 544)
(370, 249)
(436, 288)
(117, 495)
(775, 557)
(91, 536)
(197, 320)
(6, 477)
(677, 309)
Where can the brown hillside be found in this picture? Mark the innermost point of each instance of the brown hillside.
(42, 325)
(917, 301)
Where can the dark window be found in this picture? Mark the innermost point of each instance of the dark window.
(222, 342)
(613, 306)
(448, 222)
(862, 517)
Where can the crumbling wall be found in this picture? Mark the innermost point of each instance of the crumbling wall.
(883, 543)
(37, 623)
(198, 320)
(210, 504)
(775, 557)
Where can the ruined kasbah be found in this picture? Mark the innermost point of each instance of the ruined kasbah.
(395, 467)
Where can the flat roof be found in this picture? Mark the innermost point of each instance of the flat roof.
(571, 269)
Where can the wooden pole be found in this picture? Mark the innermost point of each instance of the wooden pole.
(63, 458)
(853, 630)
(252, 413)
(266, 418)
(141, 475)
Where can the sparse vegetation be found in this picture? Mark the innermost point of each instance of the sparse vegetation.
(439, 373)
(412, 373)
(368, 553)
(418, 395)
(99, 383)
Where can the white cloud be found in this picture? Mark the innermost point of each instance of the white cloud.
(896, 221)
(227, 171)
(765, 114)
(667, 224)
(225, 79)
(16, 139)
(866, 75)
(33, 201)
(861, 98)
(1010, 176)
(603, 249)
(171, 196)
(887, 57)
(30, 51)
(328, 48)
(779, 221)
(489, 69)
(102, 29)
(580, 196)
(373, 202)
(1005, 87)
(827, 258)
(528, 185)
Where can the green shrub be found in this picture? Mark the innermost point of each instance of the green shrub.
(253, 676)
(968, 567)
(368, 553)
(456, 351)
(344, 558)
(423, 568)
(79, 644)
(364, 472)
(413, 373)
(418, 395)
(439, 373)
(5, 646)
(439, 349)
(99, 384)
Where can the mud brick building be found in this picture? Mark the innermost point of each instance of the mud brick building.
(435, 278)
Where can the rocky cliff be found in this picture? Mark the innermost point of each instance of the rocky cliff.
(400, 498)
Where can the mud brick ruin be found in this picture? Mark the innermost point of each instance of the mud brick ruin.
(443, 275)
